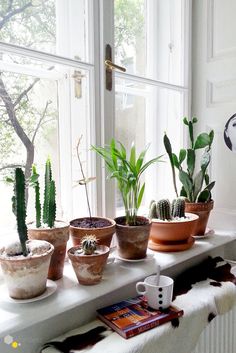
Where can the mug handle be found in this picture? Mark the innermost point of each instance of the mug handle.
(138, 290)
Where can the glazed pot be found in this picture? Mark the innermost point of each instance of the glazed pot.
(132, 240)
(173, 235)
(202, 209)
(58, 237)
(89, 268)
(103, 234)
(26, 277)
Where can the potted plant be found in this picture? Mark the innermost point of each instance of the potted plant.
(88, 260)
(24, 262)
(46, 227)
(171, 228)
(196, 185)
(132, 231)
(102, 228)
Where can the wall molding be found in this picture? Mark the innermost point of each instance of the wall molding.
(220, 92)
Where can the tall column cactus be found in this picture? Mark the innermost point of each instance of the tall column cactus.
(35, 184)
(20, 208)
(47, 181)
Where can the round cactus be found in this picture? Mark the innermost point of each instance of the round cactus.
(89, 244)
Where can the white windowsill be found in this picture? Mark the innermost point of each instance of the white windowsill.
(118, 282)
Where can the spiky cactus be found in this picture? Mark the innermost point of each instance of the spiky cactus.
(178, 207)
(35, 183)
(164, 209)
(152, 210)
(49, 204)
(89, 244)
(20, 208)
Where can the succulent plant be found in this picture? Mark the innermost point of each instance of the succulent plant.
(196, 186)
(49, 205)
(89, 244)
(166, 211)
(19, 208)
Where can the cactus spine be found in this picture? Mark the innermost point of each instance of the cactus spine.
(163, 209)
(89, 244)
(178, 208)
(20, 208)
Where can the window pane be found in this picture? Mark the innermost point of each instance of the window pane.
(53, 26)
(43, 111)
(149, 38)
(143, 114)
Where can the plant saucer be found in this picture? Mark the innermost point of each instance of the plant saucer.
(51, 287)
(208, 233)
(148, 257)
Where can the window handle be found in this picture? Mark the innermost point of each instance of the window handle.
(110, 65)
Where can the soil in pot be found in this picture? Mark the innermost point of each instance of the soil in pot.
(89, 268)
(202, 209)
(132, 240)
(26, 277)
(58, 237)
(102, 228)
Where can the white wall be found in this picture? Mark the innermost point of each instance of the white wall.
(214, 96)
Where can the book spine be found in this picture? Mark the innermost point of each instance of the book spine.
(136, 330)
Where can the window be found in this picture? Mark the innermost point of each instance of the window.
(52, 90)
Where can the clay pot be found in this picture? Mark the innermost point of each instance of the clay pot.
(103, 234)
(58, 237)
(132, 240)
(173, 235)
(202, 209)
(26, 277)
(89, 268)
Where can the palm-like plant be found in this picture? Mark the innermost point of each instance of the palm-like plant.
(127, 172)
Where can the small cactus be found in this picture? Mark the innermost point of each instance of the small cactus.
(163, 209)
(89, 244)
(178, 207)
(20, 208)
(152, 210)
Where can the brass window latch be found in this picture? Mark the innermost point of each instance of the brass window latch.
(110, 66)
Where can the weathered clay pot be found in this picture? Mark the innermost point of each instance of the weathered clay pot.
(103, 235)
(58, 237)
(203, 211)
(172, 235)
(89, 268)
(132, 240)
(26, 277)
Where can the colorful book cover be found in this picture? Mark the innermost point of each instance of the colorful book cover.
(133, 316)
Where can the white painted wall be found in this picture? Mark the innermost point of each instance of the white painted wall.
(214, 96)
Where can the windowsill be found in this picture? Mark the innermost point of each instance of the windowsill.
(118, 282)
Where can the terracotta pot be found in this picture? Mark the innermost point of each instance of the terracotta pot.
(58, 237)
(89, 268)
(203, 211)
(103, 235)
(173, 235)
(132, 240)
(26, 277)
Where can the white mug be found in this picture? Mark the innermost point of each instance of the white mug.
(158, 296)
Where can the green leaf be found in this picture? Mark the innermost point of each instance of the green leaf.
(175, 161)
(167, 145)
(210, 186)
(190, 127)
(194, 120)
(211, 135)
(146, 165)
(186, 182)
(185, 121)
(207, 179)
(202, 141)
(132, 159)
(140, 196)
(204, 196)
(182, 155)
(198, 182)
(205, 160)
(183, 192)
(191, 161)
(9, 180)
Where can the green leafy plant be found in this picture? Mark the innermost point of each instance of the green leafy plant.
(49, 204)
(127, 171)
(164, 210)
(19, 208)
(196, 185)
